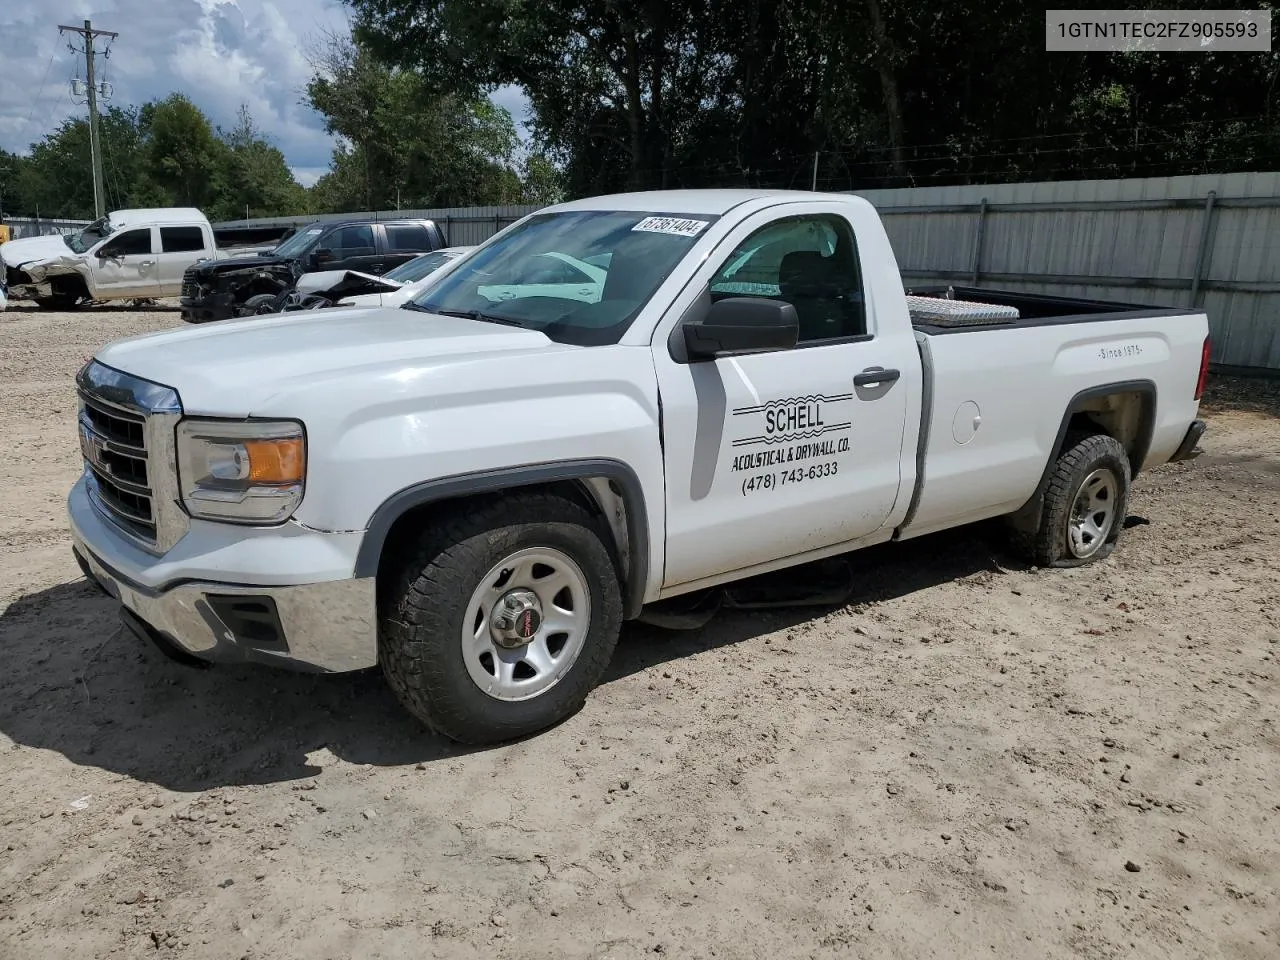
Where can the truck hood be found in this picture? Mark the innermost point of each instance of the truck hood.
(234, 367)
(239, 262)
(342, 283)
(30, 249)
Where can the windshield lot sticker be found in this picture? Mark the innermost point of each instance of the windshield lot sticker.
(676, 226)
(802, 436)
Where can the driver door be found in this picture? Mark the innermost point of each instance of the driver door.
(125, 265)
(779, 454)
(352, 248)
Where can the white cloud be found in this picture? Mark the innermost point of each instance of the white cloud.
(307, 176)
(517, 104)
(220, 53)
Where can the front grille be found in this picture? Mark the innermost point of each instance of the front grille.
(113, 442)
(130, 462)
(190, 288)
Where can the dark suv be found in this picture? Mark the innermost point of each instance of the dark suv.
(218, 289)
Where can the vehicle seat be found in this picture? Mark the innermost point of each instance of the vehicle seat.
(626, 278)
(810, 282)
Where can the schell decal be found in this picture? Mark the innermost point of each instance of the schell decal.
(803, 435)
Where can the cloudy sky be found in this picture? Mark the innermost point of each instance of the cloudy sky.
(220, 53)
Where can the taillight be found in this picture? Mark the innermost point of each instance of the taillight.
(1204, 369)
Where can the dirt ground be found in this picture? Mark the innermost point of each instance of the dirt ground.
(974, 759)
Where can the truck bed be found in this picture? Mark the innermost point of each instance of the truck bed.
(1034, 309)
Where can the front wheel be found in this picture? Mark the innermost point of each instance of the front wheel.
(259, 303)
(1084, 504)
(59, 301)
(503, 620)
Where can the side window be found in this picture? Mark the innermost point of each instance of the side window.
(810, 262)
(354, 241)
(181, 239)
(128, 244)
(408, 237)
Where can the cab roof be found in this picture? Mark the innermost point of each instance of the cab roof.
(706, 202)
(156, 215)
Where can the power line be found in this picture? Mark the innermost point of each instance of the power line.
(26, 124)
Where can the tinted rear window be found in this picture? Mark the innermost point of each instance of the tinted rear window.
(181, 239)
(408, 237)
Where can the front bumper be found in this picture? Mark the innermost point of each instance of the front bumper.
(328, 625)
(208, 307)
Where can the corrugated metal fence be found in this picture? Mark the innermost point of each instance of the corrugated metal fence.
(1209, 241)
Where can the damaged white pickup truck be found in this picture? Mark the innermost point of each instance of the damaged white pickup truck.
(475, 490)
(126, 255)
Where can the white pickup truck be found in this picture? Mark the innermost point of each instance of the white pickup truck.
(126, 255)
(473, 492)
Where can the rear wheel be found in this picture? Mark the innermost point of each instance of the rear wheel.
(503, 619)
(1084, 504)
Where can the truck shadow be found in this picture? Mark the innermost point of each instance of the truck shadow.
(74, 682)
(878, 574)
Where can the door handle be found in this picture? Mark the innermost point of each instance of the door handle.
(147, 263)
(873, 376)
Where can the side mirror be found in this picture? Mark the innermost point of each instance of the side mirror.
(323, 255)
(740, 325)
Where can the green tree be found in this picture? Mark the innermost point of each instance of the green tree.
(403, 143)
(256, 179)
(12, 202)
(56, 178)
(651, 93)
(540, 181)
(181, 153)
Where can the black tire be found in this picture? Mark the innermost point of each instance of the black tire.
(59, 301)
(422, 615)
(1084, 458)
(259, 303)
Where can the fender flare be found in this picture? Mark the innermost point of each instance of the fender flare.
(1146, 390)
(507, 478)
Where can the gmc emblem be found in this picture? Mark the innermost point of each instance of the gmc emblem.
(92, 447)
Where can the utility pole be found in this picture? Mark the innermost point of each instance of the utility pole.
(95, 148)
(814, 187)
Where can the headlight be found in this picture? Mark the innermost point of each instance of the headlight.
(247, 471)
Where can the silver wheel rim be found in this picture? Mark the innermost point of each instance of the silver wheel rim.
(526, 623)
(1093, 514)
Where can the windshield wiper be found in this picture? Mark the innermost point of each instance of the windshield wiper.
(464, 314)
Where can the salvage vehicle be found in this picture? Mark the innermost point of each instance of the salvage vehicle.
(252, 285)
(351, 288)
(474, 495)
(126, 255)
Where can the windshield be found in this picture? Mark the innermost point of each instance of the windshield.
(579, 276)
(419, 267)
(86, 238)
(298, 244)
